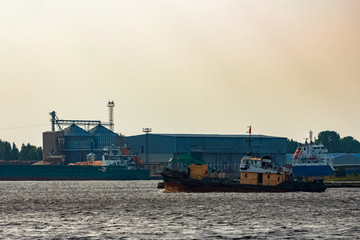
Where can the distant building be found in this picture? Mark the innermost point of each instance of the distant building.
(53, 143)
(220, 152)
(77, 143)
(74, 143)
(351, 162)
(104, 137)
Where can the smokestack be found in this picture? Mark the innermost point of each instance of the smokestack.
(111, 106)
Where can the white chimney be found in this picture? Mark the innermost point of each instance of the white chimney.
(111, 106)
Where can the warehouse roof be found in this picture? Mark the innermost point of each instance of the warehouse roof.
(209, 135)
(346, 159)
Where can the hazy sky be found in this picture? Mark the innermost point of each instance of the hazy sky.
(205, 66)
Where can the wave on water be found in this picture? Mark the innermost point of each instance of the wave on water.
(138, 210)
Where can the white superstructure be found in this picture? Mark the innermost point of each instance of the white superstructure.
(310, 154)
(260, 165)
(113, 157)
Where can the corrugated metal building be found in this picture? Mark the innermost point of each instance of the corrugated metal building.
(104, 137)
(351, 162)
(220, 152)
(75, 143)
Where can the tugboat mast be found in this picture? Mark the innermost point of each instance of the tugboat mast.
(249, 140)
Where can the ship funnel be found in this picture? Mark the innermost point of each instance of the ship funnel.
(111, 106)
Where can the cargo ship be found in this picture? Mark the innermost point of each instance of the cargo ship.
(256, 175)
(312, 160)
(114, 166)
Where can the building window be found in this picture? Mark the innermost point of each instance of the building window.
(268, 176)
(246, 175)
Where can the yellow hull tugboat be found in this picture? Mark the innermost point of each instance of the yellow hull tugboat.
(197, 179)
(256, 175)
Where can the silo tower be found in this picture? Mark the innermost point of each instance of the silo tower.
(111, 106)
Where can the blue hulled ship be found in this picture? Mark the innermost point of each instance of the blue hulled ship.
(312, 160)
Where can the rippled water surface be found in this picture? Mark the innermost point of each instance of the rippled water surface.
(138, 210)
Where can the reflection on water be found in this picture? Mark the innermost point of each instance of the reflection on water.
(138, 210)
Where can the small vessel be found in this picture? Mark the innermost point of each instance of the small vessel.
(256, 175)
(312, 160)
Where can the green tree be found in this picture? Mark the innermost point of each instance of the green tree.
(29, 152)
(14, 152)
(5, 150)
(291, 145)
(24, 152)
(39, 153)
(330, 139)
(349, 145)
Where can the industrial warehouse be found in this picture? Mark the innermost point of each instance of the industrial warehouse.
(221, 152)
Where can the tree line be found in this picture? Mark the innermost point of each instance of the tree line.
(331, 141)
(27, 152)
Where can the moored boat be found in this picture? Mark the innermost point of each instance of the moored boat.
(312, 160)
(115, 165)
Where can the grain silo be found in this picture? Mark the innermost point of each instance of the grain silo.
(104, 138)
(77, 144)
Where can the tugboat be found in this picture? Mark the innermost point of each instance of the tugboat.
(256, 175)
(312, 160)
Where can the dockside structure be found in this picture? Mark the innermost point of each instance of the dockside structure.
(220, 152)
(74, 143)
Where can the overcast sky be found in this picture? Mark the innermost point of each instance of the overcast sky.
(207, 66)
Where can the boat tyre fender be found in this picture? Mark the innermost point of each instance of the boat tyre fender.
(246, 166)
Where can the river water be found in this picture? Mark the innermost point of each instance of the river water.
(138, 210)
